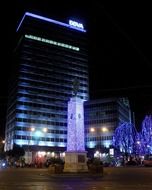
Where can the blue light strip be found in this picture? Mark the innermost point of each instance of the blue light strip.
(48, 20)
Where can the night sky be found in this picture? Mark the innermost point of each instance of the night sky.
(119, 44)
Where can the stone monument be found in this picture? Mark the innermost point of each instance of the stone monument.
(75, 156)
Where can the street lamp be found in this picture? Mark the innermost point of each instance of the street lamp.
(32, 129)
(104, 129)
(92, 129)
(45, 129)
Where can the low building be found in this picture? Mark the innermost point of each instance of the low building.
(102, 116)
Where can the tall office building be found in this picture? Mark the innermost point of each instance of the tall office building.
(102, 116)
(49, 56)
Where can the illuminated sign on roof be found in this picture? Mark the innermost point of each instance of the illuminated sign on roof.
(74, 25)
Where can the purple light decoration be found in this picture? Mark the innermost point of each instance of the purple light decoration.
(125, 137)
(48, 20)
(146, 135)
(75, 136)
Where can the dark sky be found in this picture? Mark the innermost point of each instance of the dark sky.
(120, 46)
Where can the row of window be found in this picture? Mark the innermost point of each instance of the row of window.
(55, 66)
(49, 91)
(54, 77)
(96, 114)
(99, 130)
(41, 98)
(53, 107)
(101, 138)
(53, 69)
(27, 129)
(40, 139)
(41, 114)
(65, 74)
(101, 120)
(52, 42)
(100, 104)
(46, 60)
(80, 56)
(45, 122)
(57, 86)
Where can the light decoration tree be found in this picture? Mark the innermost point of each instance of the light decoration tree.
(124, 138)
(146, 135)
(139, 149)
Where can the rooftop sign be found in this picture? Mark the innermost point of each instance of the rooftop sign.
(76, 24)
(73, 25)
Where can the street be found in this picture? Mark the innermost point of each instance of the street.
(129, 178)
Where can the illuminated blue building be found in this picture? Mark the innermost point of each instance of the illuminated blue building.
(49, 55)
(101, 119)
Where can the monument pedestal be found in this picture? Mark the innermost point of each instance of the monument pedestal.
(76, 156)
(75, 162)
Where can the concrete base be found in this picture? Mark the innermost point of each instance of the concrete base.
(75, 162)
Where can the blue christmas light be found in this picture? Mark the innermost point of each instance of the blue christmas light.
(75, 136)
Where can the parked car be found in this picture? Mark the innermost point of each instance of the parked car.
(147, 161)
(132, 163)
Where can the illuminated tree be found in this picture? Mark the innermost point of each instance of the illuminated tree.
(125, 138)
(139, 144)
(146, 135)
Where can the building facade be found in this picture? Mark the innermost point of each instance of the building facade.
(101, 119)
(49, 59)
(50, 55)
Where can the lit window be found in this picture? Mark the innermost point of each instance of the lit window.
(51, 42)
